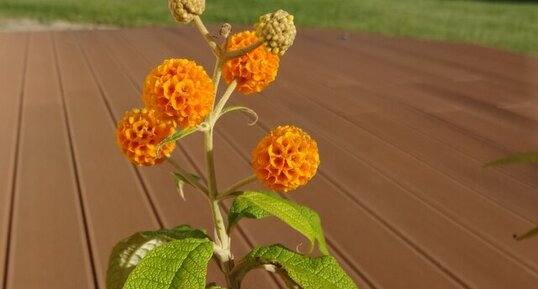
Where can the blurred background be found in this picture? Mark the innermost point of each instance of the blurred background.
(511, 25)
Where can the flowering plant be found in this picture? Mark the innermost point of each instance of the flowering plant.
(180, 99)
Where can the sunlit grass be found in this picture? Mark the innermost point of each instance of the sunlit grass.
(505, 24)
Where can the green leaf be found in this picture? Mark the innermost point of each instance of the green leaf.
(178, 264)
(307, 272)
(127, 253)
(519, 158)
(181, 181)
(257, 205)
(176, 136)
(531, 233)
(244, 109)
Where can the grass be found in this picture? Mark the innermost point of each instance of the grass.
(511, 25)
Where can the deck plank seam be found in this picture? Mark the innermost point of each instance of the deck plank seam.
(113, 119)
(74, 166)
(433, 207)
(16, 161)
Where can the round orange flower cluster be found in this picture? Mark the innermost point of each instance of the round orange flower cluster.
(176, 92)
(286, 158)
(180, 90)
(139, 133)
(254, 70)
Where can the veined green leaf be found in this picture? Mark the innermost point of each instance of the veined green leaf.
(257, 205)
(241, 108)
(126, 255)
(307, 272)
(531, 233)
(176, 136)
(519, 158)
(177, 264)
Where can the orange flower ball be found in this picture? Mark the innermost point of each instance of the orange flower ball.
(179, 90)
(286, 158)
(254, 70)
(139, 133)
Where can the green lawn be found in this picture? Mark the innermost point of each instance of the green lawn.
(507, 24)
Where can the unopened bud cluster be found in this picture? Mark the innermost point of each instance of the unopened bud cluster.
(185, 10)
(277, 31)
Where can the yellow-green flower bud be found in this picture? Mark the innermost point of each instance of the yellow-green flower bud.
(185, 10)
(277, 31)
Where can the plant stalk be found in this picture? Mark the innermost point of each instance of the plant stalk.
(222, 240)
(222, 102)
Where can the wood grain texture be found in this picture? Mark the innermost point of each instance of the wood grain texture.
(48, 246)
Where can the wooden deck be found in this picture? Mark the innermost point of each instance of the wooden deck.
(403, 128)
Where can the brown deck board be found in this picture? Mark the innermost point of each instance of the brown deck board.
(424, 104)
(48, 245)
(403, 126)
(107, 181)
(12, 68)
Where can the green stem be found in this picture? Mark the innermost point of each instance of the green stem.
(233, 188)
(222, 240)
(210, 163)
(222, 102)
(217, 72)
